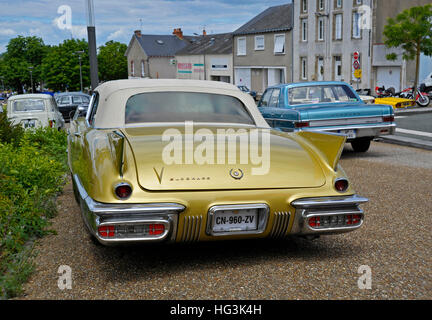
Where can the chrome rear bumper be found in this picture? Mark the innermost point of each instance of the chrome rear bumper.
(361, 131)
(124, 216)
(335, 215)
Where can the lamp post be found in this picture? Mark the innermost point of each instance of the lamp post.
(91, 33)
(79, 53)
(31, 77)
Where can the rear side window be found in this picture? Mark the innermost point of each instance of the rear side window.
(77, 99)
(274, 99)
(185, 106)
(64, 100)
(28, 105)
(266, 98)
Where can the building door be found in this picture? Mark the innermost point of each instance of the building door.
(389, 77)
(275, 77)
(243, 77)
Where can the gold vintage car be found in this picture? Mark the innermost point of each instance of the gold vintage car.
(185, 160)
(396, 103)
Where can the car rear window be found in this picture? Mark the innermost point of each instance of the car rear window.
(28, 105)
(185, 106)
(321, 94)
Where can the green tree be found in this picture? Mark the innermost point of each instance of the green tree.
(61, 69)
(112, 62)
(22, 53)
(411, 30)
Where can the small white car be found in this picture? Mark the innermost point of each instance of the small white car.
(35, 111)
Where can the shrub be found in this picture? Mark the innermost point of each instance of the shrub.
(9, 133)
(32, 173)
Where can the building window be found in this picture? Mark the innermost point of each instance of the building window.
(279, 44)
(142, 69)
(358, 2)
(338, 4)
(304, 30)
(338, 27)
(320, 32)
(241, 46)
(259, 43)
(356, 30)
(320, 68)
(304, 6)
(303, 64)
(337, 68)
(320, 5)
(132, 68)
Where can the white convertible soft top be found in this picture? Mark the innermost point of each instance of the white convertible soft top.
(113, 96)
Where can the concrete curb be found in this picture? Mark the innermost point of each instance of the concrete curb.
(406, 141)
(415, 110)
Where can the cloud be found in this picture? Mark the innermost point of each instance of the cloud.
(7, 32)
(117, 20)
(116, 35)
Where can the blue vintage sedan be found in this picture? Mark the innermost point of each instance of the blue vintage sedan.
(326, 106)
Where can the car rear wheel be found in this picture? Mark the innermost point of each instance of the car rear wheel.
(361, 145)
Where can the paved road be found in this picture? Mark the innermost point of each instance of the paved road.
(415, 125)
(395, 243)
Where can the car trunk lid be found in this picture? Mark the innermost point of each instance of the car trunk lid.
(285, 164)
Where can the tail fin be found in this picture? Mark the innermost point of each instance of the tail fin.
(329, 145)
(116, 140)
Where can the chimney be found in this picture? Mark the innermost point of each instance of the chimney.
(179, 33)
(204, 32)
(138, 33)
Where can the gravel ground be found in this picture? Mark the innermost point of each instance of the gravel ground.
(395, 243)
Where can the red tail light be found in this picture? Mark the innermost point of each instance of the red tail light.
(51, 123)
(341, 185)
(388, 118)
(315, 222)
(123, 191)
(106, 231)
(156, 229)
(301, 124)
(353, 219)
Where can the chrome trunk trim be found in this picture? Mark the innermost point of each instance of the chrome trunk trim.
(191, 228)
(280, 224)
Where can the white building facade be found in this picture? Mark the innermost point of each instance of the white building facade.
(328, 37)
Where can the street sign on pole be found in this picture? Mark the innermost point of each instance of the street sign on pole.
(356, 64)
(358, 73)
(356, 55)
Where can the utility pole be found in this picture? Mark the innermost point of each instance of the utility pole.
(91, 33)
(79, 53)
(31, 78)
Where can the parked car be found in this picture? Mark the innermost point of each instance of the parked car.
(34, 111)
(395, 102)
(367, 99)
(326, 106)
(69, 101)
(427, 82)
(246, 90)
(132, 186)
(80, 112)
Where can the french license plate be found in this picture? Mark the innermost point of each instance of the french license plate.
(350, 134)
(235, 220)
